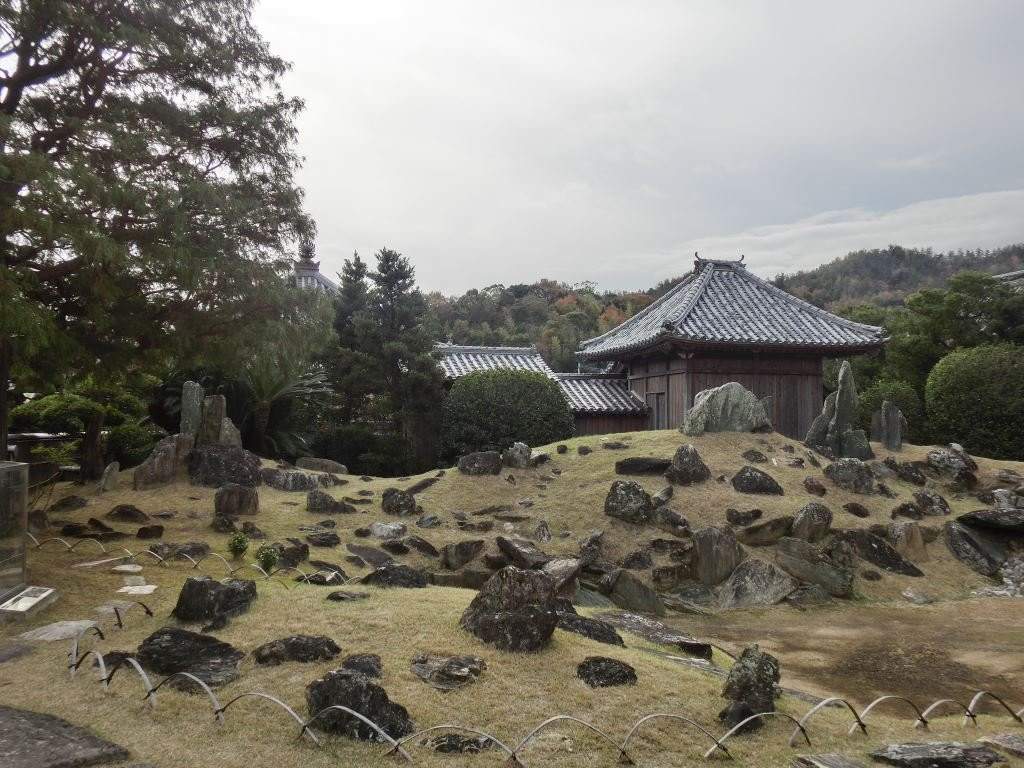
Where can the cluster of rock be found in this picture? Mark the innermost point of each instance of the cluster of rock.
(832, 432)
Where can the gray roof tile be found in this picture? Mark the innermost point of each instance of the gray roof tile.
(723, 304)
(459, 360)
(599, 393)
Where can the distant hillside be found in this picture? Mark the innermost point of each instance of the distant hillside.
(886, 276)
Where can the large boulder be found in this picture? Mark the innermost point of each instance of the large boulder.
(602, 672)
(514, 610)
(767, 533)
(170, 650)
(642, 465)
(320, 465)
(751, 480)
(716, 553)
(851, 475)
(1010, 521)
(168, 457)
(807, 563)
(522, 553)
(517, 456)
(323, 503)
(812, 522)
(752, 682)
(233, 500)
(446, 673)
(937, 754)
(294, 480)
(930, 503)
(457, 554)
(627, 500)
(217, 465)
(395, 501)
(353, 690)
(629, 592)
(728, 408)
(875, 550)
(480, 463)
(755, 582)
(206, 599)
(687, 467)
(977, 549)
(392, 574)
(303, 648)
(594, 629)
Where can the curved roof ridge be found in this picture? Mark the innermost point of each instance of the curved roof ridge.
(702, 279)
(652, 307)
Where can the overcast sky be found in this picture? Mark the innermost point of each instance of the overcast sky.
(503, 142)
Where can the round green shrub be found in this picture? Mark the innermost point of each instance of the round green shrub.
(490, 410)
(267, 557)
(975, 397)
(239, 542)
(130, 444)
(903, 396)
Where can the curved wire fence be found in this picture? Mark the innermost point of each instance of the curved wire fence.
(397, 746)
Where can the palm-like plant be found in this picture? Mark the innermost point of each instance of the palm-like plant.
(272, 380)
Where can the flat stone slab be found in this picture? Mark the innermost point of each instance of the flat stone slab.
(656, 632)
(59, 630)
(98, 563)
(36, 740)
(831, 760)
(142, 589)
(1010, 743)
(936, 754)
(127, 568)
(107, 609)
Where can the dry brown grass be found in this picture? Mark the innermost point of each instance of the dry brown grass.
(515, 693)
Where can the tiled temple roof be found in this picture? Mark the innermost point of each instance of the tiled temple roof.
(721, 304)
(458, 360)
(599, 393)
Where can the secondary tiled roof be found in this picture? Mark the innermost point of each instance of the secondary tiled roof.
(1013, 278)
(599, 393)
(722, 304)
(458, 360)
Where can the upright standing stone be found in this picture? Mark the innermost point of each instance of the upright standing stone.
(191, 408)
(890, 426)
(229, 434)
(831, 432)
(108, 482)
(214, 410)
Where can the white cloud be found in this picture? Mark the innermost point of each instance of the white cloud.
(985, 220)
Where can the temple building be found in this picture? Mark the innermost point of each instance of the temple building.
(722, 324)
(307, 275)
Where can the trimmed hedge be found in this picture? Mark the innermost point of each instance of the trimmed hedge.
(975, 397)
(903, 396)
(490, 410)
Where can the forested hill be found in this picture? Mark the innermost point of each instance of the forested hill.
(556, 317)
(886, 276)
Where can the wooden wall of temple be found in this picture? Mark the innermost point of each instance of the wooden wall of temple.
(604, 423)
(669, 383)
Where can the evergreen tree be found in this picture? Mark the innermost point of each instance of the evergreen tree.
(146, 183)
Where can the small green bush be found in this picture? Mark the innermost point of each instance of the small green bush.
(490, 410)
(267, 557)
(130, 444)
(238, 543)
(975, 397)
(903, 396)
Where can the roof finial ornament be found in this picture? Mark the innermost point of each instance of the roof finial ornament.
(742, 257)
